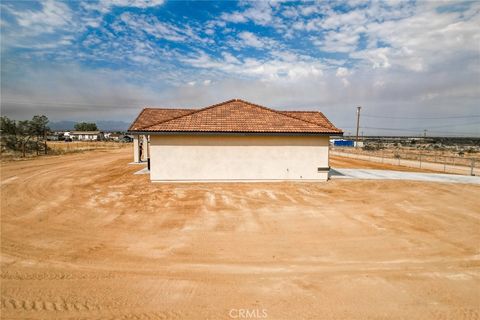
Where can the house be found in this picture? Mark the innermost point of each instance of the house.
(113, 136)
(86, 135)
(233, 140)
(119, 137)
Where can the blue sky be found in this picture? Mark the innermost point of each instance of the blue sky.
(411, 65)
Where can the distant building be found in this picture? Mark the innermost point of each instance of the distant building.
(114, 136)
(52, 137)
(86, 135)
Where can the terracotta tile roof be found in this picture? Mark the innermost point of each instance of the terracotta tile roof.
(233, 116)
(311, 116)
(151, 116)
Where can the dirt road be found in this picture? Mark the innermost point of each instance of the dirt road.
(82, 237)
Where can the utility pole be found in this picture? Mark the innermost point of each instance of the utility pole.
(358, 125)
(425, 133)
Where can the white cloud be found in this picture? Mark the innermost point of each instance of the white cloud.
(259, 12)
(229, 58)
(251, 40)
(342, 72)
(104, 6)
(338, 41)
(274, 69)
(425, 39)
(378, 57)
(134, 3)
(234, 17)
(152, 26)
(48, 19)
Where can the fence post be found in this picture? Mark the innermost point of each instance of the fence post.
(420, 161)
(444, 164)
(472, 166)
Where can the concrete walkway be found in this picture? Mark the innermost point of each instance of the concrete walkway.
(143, 171)
(370, 174)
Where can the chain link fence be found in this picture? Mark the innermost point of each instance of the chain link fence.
(467, 165)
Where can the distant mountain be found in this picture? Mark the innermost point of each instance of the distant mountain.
(113, 125)
(61, 125)
(102, 125)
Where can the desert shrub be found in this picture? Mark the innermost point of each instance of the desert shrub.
(370, 147)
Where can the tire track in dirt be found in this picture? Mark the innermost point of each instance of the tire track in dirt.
(52, 275)
(58, 304)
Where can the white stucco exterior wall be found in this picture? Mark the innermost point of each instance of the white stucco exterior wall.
(218, 158)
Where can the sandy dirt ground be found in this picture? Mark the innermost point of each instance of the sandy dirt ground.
(84, 238)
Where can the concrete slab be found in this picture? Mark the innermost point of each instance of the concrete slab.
(143, 171)
(369, 174)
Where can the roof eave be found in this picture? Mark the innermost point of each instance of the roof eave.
(235, 133)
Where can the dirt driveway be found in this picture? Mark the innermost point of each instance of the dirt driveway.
(82, 237)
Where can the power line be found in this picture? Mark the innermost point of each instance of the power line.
(454, 125)
(422, 118)
(419, 130)
(423, 127)
(60, 103)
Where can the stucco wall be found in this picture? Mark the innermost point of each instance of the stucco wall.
(194, 158)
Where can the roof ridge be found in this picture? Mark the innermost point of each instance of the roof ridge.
(304, 119)
(300, 111)
(194, 112)
(150, 108)
(134, 121)
(314, 111)
(333, 126)
(278, 111)
(170, 108)
(229, 101)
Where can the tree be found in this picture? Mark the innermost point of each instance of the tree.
(8, 132)
(86, 126)
(24, 134)
(39, 128)
(17, 136)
